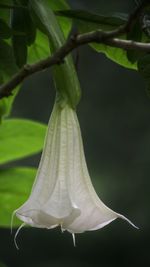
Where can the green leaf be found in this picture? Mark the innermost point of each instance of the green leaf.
(144, 69)
(15, 187)
(64, 23)
(30, 29)
(65, 76)
(20, 138)
(5, 31)
(8, 65)
(39, 49)
(6, 105)
(117, 55)
(99, 21)
(7, 60)
(4, 12)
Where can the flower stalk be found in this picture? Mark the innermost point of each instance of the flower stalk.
(65, 77)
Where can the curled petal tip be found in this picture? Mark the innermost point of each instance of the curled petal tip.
(74, 240)
(126, 219)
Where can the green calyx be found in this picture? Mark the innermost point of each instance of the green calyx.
(65, 77)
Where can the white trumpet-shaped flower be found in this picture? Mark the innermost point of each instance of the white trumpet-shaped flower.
(62, 193)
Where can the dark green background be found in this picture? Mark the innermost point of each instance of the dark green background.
(115, 120)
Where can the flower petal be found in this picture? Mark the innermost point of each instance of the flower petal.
(63, 193)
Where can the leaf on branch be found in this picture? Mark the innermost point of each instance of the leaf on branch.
(39, 49)
(20, 138)
(6, 105)
(7, 60)
(115, 54)
(106, 23)
(24, 33)
(64, 23)
(15, 186)
(100, 21)
(5, 13)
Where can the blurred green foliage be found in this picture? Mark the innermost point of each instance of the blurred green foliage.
(114, 117)
(20, 138)
(15, 186)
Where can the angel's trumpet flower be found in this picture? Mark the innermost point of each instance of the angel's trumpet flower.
(63, 193)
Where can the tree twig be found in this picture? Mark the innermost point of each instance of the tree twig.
(58, 57)
(72, 43)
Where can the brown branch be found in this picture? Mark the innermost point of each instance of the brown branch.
(58, 57)
(72, 43)
(128, 45)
